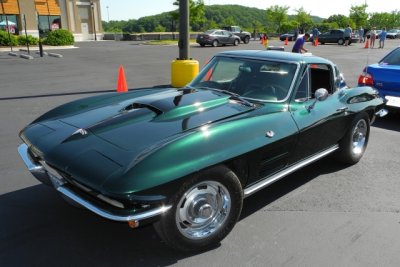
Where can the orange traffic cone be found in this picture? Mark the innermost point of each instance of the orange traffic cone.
(366, 44)
(286, 41)
(121, 83)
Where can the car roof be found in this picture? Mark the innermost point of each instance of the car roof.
(275, 55)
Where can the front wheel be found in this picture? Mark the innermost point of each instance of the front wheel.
(236, 42)
(354, 143)
(204, 211)
(340, 41)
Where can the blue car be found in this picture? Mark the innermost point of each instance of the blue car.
(385, 77)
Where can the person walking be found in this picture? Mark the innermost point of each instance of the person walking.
(298, 46)
(315, 34)
(361, 34)
(382, 38)
(347, 35)
(366, 31)
(372, 37)
(296, 33)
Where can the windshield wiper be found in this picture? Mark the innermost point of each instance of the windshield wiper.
(233, 95)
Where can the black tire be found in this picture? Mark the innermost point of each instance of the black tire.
(204, 210)
(246, 40)
(354, 143)
(340, 42)
(202, 45)
(236, 42)
(215, 43)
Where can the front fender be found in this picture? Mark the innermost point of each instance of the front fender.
(201, 148)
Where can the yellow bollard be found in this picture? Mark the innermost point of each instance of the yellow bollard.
(183, 71)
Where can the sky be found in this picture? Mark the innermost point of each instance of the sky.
(134, 9)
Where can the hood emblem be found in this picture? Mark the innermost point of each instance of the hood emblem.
(270, 134)
(81, 132)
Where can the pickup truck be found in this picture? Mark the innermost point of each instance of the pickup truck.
(244, 36)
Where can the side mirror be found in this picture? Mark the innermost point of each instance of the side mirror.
(320, 95)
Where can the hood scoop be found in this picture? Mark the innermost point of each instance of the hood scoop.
(160, 106)
(142, 105)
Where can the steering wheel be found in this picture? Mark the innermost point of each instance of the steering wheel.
(268, 92)
(211, 84)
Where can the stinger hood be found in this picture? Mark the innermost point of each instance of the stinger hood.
(140, 122)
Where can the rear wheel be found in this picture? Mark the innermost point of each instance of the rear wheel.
(205, 209)
(354, 143)
(246, 40)
(215, 43)
(202, 45)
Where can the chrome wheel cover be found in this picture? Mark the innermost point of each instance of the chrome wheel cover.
(203, 209)
(359, 137)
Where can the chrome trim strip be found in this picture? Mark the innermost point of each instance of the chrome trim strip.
(23, 151)
(48, 178)
(140, 216)
(263, 183)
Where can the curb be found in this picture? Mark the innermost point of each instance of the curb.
(55, 55)
(26, 56)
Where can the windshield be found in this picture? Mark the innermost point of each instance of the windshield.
(252, 79)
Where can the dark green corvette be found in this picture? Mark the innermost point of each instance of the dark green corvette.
(184, 159)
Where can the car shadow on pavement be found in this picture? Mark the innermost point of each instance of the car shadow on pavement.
(289, 183)
(38, 228)
(389, 122)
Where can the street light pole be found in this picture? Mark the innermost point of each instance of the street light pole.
(184, 29)
(108, 14)
(93, 21)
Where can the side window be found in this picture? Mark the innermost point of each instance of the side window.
(303, 92)
(339, 81)
(321, 76)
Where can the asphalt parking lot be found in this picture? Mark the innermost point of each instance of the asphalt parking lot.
(323, 215)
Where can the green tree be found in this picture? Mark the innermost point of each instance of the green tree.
(196, 13)
(276, 15)
(340, 20)
(228, 21)
(359, 15)
(159, 28)
(388, 20)
(303, 19)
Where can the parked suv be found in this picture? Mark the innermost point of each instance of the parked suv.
(335, 36)
(236, 30)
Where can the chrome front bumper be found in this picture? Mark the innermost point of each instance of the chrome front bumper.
(48, 178)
